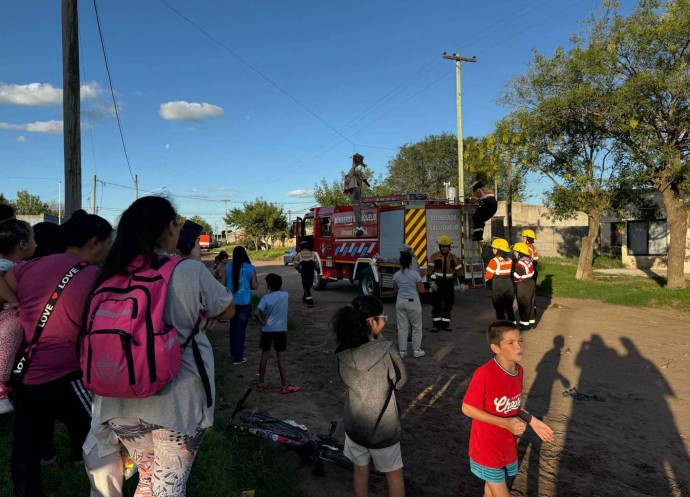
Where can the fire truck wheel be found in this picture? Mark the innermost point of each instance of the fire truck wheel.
(367, 283)
(319, 282)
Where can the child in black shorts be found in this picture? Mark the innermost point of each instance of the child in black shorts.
(272, 313)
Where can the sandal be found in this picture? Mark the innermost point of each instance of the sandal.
(260, 387)
(289, 389)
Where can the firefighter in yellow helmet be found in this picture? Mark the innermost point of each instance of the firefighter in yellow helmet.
(499, 271)
(528, 237)
(444, 267)
(523, 275)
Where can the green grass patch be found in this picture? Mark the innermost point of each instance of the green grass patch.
(257, 255)
(557, 279)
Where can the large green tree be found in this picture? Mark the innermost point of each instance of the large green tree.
(648, 56)
(330, 194)
(30, 204)
(260, 220)
(563, 108)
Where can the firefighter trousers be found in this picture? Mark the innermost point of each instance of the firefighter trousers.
(307, 272)
(526, 299)
(442, 301)
(484, 212)
(503, 296)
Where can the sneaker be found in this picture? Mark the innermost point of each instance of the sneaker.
(419, 353)
(403, 353)
(242, 361)
(5, 404)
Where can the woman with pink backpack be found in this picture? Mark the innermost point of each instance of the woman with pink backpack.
(162, 429)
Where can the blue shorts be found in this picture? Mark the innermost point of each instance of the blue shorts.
(494, 475)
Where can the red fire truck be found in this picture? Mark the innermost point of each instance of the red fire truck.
(389, 222)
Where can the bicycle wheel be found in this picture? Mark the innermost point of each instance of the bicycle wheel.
(335, 456)
(276, 426)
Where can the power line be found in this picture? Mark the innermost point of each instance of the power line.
(112, 92)
(262, 75)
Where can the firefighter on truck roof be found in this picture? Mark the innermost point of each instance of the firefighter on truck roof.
(444, 267)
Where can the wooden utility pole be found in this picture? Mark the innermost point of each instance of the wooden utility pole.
(461, 172)
(136, 187)
(71, 106)
(93, 208)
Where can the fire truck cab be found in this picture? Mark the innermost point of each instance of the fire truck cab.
(389, 222)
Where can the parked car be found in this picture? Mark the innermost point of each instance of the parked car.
(289, 257)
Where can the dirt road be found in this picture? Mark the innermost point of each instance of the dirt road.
(627, 433)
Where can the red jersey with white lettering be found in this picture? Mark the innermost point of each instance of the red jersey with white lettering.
(496, 391)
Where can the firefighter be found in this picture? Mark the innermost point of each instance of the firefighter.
(444, 266)
(523, 274)
(528, 237)
(499, 272)
(483, 196)
(353, 187)
(305, 263)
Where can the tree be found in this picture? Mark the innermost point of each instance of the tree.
(563, 109)
(201, 221)
(648, 56)
(30, 204)
(260, 220)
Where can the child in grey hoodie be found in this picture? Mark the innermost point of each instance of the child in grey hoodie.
(372, 369)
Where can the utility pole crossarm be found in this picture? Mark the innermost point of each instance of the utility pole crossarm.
(458, 58)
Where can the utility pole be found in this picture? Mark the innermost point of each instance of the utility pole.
(93, 208)
(71, 106)
(461, 173)
(59, 203)
(136, 187)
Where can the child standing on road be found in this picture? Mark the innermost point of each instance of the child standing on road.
(498, 272)
(493, 402)
(272, 313)
(372, 370)
(523, 274)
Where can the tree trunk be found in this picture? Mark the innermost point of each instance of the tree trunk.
(677, 218)
(584, 263)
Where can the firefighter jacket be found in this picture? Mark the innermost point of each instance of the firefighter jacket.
(524, 270)
(534, 255)
(444, 266)
(304, 256)
(498, 267)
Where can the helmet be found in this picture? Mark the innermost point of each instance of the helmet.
(521, 248)
(529, 234)
(444, 240)
(500, 244)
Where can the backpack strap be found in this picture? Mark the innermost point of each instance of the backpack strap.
(22, 360)
(199, 361)
(166, 270)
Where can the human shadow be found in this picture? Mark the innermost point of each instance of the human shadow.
(628, 441)
(538, 403)
(544, 294)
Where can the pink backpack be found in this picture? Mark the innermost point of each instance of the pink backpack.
(127, 350)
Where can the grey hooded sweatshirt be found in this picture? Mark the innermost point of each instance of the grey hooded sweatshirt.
(372, 373)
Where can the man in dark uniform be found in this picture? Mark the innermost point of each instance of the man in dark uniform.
(305, 263)
(483, 196)
(444, 266)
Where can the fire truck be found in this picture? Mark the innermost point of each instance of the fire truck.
(388, 223)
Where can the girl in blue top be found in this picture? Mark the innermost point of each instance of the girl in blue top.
(241, 280)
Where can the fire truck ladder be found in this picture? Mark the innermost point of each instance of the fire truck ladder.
(472, 255)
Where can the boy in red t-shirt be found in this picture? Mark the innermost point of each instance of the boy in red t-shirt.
(493, 402)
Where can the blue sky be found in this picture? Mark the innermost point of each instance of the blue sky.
(231, 101)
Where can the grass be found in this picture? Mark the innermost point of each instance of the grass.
(557, 279)
(257, 255)
(227, 463)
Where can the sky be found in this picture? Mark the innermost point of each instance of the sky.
(224, 102)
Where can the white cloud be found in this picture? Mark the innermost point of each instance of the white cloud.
(49, 127)
(301, 193)
(167, 146)
(21, 138)
(35, 94)
(101, 112)
(189, 111)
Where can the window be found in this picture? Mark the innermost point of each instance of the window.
(647, 238)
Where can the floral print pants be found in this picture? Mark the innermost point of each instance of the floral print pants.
(163, 456)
